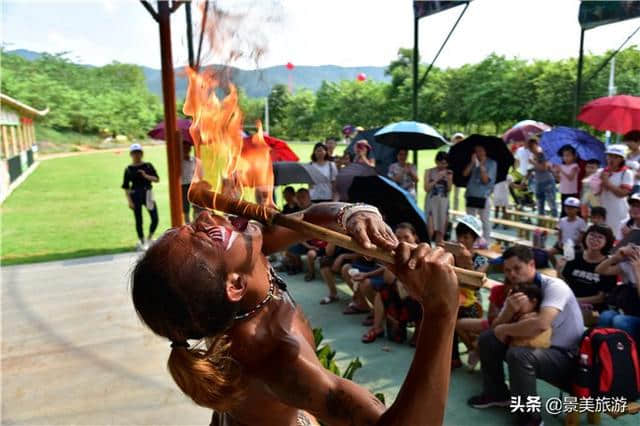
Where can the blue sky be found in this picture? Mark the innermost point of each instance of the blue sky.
(348, 33)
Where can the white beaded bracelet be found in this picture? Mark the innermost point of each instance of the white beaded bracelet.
(352, 209)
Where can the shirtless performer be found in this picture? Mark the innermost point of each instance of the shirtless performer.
(211, 280)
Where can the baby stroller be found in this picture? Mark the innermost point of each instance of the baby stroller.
(520, 191)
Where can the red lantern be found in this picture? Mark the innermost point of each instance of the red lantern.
(290, 66)
(361, 77)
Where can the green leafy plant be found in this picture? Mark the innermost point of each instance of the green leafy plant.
(326, 356)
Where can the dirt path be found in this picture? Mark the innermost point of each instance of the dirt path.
(119, 150)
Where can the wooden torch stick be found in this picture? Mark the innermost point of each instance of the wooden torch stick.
(200, 195)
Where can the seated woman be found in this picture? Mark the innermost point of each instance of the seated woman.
(391, 301)
(591, 288)
(468, 231)
(530, 308)
(242, 347)
(626, 297)
(353, 273)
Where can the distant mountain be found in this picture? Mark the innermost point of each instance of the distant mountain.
(258, 83)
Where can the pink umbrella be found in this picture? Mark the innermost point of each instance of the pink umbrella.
(523, 130)
(182, 124)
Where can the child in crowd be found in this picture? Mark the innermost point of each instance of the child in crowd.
(569, 227)
(567, 175)
(290, 203)
(437, 184)
(311, 248)
(588, 197)
(501, 199)
(633, 221)
(331, 264)
(468, 329)
(632, 140)
(468, 230)
(391, 299)
(599, 216)
(545, 183)
(530, 308)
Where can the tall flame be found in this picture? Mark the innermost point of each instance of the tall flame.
(229, 164)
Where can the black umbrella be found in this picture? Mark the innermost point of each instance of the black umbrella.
(286, 172)
(395, 203)
(460, 156)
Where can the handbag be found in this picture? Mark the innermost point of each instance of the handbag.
(476, 202)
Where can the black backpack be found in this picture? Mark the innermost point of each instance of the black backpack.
(608, 365)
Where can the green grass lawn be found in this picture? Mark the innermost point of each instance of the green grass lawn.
(74, 206)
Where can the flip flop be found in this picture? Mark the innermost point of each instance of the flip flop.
(353, 309)
(372, 335)
(329, 299)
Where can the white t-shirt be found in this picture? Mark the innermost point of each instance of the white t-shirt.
(571, 229)
(633, 161)
(567, 327)
(523, 155)
(617, 207)
(322, 188)
(188, 167)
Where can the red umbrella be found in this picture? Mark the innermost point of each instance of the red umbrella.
(620, 113)
(280, 151)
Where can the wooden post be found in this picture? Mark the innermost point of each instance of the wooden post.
(5, 141)
(169, 98)
(14, 143)
(20, 137)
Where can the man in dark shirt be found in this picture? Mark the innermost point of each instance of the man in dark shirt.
(137, 188)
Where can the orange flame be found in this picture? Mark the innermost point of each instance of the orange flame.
(231, 166)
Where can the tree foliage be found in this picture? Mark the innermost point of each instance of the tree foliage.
(488, 96)
(82, 98)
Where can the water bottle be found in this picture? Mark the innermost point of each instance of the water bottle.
(581, 387)
(568, 250)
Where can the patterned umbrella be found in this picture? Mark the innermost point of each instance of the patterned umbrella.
(521, 131)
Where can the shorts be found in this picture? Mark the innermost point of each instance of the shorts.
(436, 210)
(301, 250)
(377, 282)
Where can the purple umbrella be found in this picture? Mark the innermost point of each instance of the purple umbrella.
(522, 130)
(182, 124)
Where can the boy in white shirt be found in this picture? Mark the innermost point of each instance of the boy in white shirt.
(570, 227)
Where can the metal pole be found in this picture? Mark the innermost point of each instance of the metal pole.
(579, 79)
(169, 99)
(612, 90)
(187, 12)
(414, 109)
(266, 115)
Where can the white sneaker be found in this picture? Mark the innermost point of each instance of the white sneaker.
(140, 246)
(148, 243)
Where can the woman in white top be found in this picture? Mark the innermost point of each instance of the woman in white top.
(323, 172)
(617, 181)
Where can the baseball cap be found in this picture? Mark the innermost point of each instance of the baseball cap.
(634, 197)
(619, 150)
(473, 223)
(572, 202)
(135, 147)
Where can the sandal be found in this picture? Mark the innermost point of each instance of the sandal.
(372, 335)
(353, 309)
(368, 321)
(309, 277)
(329, 299)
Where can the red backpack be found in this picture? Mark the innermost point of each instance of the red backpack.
(608, 365)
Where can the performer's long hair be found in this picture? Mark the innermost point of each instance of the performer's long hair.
(181, 295)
